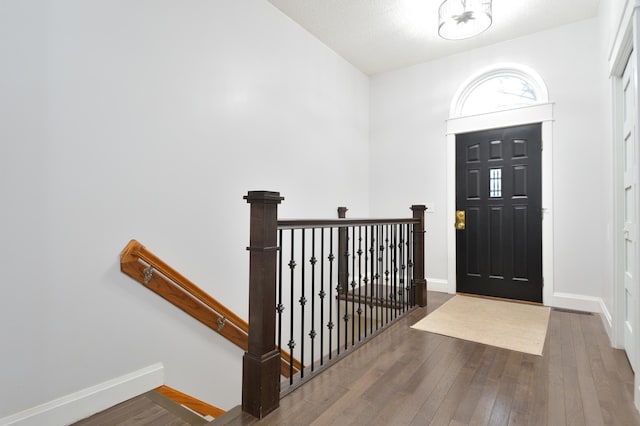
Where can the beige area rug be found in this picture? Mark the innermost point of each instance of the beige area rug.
(508, 325)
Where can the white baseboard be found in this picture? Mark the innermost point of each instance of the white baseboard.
(86, 402)
(577, 302)
(434, 284)
(607, 321)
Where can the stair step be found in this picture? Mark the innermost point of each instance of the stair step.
(150, 408)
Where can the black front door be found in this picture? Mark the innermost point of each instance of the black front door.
(499, 189)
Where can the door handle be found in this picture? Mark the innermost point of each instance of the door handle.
(459, 219)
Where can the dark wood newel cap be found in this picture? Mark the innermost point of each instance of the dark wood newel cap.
(418, 207)
(264, 196)
(342, 212)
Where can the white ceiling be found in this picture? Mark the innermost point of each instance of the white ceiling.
(383, 35)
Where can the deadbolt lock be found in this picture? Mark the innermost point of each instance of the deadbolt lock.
(459, 219)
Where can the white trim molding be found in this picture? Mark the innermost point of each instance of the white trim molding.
(623, 42)
(86, 402)
(577, 302)
(435, 284)
(607, 319)
(537, 113)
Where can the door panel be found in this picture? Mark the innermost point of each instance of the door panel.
(496, 267)
(498, 175)
(520, 243)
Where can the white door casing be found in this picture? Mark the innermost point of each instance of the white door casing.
(541, 112)
(629, 151)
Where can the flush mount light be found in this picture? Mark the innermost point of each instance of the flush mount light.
(460, 19)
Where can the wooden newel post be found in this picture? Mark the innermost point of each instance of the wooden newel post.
(343, 255)
(261, 362)
(418, 255)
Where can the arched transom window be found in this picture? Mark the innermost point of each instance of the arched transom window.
(499, 88)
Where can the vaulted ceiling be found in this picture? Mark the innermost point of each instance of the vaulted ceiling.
(383, 35)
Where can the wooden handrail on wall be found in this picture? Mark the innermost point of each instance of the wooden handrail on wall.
(153, 273)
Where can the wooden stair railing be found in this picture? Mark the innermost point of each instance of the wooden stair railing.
(261, 389)
(153, 273)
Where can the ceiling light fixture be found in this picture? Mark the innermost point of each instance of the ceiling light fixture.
(460, 19)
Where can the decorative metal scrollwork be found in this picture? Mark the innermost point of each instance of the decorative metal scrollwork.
(148, 274)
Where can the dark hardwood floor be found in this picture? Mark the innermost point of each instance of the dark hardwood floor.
(410, 377)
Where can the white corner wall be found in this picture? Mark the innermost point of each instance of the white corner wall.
(150, 120)
(409, 109)
(611, 13)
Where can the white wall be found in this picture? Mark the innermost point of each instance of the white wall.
(150, 119)
(610, 12)
(409, 109)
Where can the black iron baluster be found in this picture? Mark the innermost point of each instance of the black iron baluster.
(366, 277)
(394, 270)
(379, 277)
(345, 317)
(410, 284)
(303, 302)
(383, 291)
(359, 283)
(280, 306)
(407, 279)
(353, 285)
(387, 264)
(392, 291)
(372, 255)
(313, 260)
(292, 343)
(331, 324)
(321, 295)
(390, 269)
(403, 267)
(339, 292)
(409, 264)
(398, 268)
(407, 259)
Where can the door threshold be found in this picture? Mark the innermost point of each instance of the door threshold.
(503, 299)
